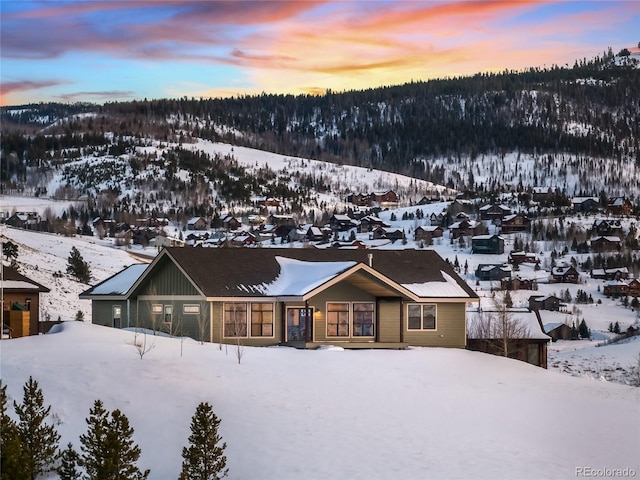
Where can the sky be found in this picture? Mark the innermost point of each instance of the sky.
(112, 50)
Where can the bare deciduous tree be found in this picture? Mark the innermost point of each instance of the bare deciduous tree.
(500, 325)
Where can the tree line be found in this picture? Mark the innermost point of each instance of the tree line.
(30, 446)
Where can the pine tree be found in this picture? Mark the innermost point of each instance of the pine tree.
(583, 330)
(69, 461)
(11, 462)
(108, 451)
(616, 327)
(77, 267)
(204, 459)
(38, 440)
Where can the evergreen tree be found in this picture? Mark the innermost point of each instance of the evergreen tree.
(583, 330)
(11, 462)
(38, 440)
(69, 461)
(77, 267)
(508, 301)
(108, 451)
(204, 459)
(616, 327)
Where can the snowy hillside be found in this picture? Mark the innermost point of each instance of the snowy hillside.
(330, 413)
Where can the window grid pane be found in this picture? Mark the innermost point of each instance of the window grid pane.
(261, 319)
(338, 319)
(235, 320)
(363, 319)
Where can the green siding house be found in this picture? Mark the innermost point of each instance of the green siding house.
(298, 297)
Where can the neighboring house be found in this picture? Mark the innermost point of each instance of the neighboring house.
(436, 219)
(391, 233)
(610, 273)
(544, 302)
(518, 258)
(279, 219)
(585, 204)
(28, 220)
(21, 304)
(633, 288)
(342, 223)
(230, 222)
(528, 344)
(197, 223)
(515, 223)
(314, 234)
(517, 283)
(369, 222)
(384, 199)
(491, 244)
(298, 297)
(560, 331)
(565, 274)
(606, 227)
(161, 241)
(620, 206)
(494, 212)
(426, 234)
(493, 272)
(542, 194)
(615, 288)
(605, 244)
(465, 228)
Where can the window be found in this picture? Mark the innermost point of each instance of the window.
(156, 309)
(168, 313)
(421, 317)
(337, 319)
(235, 319)
(262, 319)
(191, 309)
(363, 319)
(117, 316)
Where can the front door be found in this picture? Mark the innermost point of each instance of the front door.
(298, 321)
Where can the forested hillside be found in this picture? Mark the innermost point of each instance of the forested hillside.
(433, 130)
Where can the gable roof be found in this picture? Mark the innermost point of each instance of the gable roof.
(276, 272)
(118, 284)
(15, 281)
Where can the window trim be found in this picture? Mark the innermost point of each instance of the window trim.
(224, 318)
(351, 313)
(191, 306)
(250, 319)
(422, 319)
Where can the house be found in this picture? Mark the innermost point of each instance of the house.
(606, 227)
(515, 223)
(615, 288)
(610, 273)
(229, 222)
(28, 220)
(565, 274)
(369, 222)
(494, 212)
(342, 223)
(426, 234)
(386, 198)
(585, 204)
(516, 282)
(491, 244)
(518, 258)
(465, 228)
(104, 226)
(391, 233)
(243, 239)
(280, 219)
(620, 206)
(316, 234)
(544, 302)
(359, 199)
(633, 288)
(436, 219)
(303, 297)
(523, 339)
(560, 331)
(493, 272)
(197, 223)
(21, 304)
(542, 194)
(605, 244)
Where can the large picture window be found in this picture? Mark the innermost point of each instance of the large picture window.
(262, 319)
(363, 319)
(337, 319)
(235, 320)
(421, 317)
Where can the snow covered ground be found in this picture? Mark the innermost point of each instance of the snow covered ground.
(331, 413)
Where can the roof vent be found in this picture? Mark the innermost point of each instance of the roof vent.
(370, 257)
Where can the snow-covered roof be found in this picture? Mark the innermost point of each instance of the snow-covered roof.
(120, 283)
(486, 237)
(448, 288)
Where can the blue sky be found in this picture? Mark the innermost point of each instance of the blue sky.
(111, 50)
